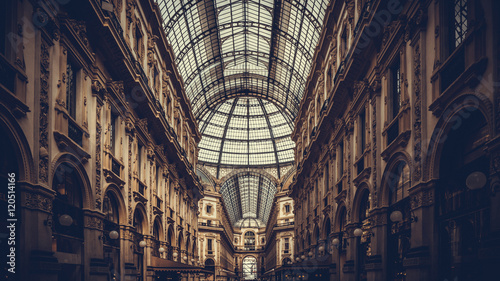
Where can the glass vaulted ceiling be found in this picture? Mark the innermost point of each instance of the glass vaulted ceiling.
(248, 195)
(244, 64)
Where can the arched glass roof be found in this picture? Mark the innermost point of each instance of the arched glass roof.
(248, 195)
(229, 49)
(246, 131)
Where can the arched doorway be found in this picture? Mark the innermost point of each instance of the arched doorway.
(463, 202)
(111, 234)
(210, 266)
(249, 241)
(399, 226)
(67, 217)
(364, 242)
(170, 241)
(249, 268)
(138, 238)
(156, 238)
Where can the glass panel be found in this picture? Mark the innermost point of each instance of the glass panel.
(240, 48)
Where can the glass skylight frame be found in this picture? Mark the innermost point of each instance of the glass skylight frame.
(225, 49)
(248, 195)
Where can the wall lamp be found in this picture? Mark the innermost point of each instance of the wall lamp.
(397, 216)
(358, 232)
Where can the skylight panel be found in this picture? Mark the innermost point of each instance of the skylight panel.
(223, 50)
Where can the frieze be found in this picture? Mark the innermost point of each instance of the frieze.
(37, 202)
(417, 136)
(422, 198)
(93, 222)
(43, 164)
(80, 29)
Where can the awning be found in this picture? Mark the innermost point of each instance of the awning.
(159, 264)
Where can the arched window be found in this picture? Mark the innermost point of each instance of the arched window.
(156, 231)
(399, 233)
(249, 268)
(67, 212)
(110, 208)
(210, 265)
(138, 221)
(111, 219)
(156, 239)
(111, 228)
(399, 182)
(249, 241)
(68, 186)
(365, 240)
(464, 200)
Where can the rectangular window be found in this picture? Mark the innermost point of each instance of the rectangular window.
(341, 159)
(71, 89)
(4, 24)
(139, 160)
(458, 24)
(287, 208)
(362, 131)
(209, 241)
(287, 244)
(327, 177)
(395, 90)
(156, 80)
(158, 178)
(343, 45)
(138, 40)
(209, 209)
(112, 132)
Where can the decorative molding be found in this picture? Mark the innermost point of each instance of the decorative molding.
(417, 136)
(93, 222)
(43, 163)
(37, 201)
(98, 156)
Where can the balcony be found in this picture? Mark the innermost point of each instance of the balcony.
(210, 224)
(140, 194)
(13, 87)
(74, 132)
(397, 132)
(284, 224)
(116, 167)
(142, 188)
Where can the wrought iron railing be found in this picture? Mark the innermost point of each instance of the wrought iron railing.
(74, 132)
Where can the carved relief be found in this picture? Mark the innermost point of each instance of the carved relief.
(43, 163)
(18, 42)
(98, 157)
(374, 151)
(129, 190)
(93, 222)
(37, 202)
(80, 29)
(417, 139)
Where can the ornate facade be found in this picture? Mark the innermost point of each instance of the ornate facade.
(98, 130)
(396, 140)
(351, 140)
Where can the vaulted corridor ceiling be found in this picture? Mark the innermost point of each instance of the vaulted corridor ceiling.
(243, 48)
(244, 64)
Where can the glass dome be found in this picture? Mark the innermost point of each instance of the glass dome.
(244, 65)
(249, 223)
(246, 132)
(248, 197)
